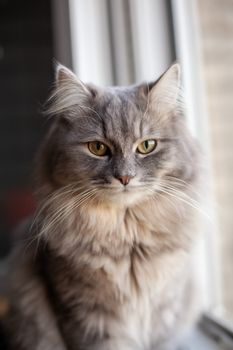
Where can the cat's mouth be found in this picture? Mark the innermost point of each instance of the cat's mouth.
(123, 192)
(125, 195)
(124, 189)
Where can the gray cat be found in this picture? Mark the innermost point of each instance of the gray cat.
(109, 264)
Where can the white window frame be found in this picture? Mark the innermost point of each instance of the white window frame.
(187, 34)
(96, 43)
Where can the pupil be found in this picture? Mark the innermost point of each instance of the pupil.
(98, 146)
(146, 144)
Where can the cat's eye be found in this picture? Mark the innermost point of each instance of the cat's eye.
(147, 146)
(98, 148)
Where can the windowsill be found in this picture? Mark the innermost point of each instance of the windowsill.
(209, 335)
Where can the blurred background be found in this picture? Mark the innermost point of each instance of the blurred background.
(121, 42)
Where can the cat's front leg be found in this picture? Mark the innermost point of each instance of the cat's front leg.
(30, 323)
(115, 344)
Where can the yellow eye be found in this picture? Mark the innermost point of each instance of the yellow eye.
(147, 146)
(98, 148)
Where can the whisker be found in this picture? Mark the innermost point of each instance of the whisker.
(92, 110)
(177, 209)
(50, 227)
(181, 182)
(177, 195)
(155, 200)
(168, 188)
(58, 216)
(175, 190)
(65, 190)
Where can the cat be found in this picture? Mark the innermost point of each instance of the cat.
(109, 263)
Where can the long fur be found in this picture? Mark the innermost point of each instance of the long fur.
(107, 266)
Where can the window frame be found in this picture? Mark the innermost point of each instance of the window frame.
(189, 53)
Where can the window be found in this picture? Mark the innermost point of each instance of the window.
(204, 34)
(216, 38)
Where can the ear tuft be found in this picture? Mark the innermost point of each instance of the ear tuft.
(165, 95)
(69, 94)
(64, 76)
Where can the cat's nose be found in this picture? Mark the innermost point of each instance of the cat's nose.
(124, 179)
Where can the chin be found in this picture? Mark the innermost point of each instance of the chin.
(125, 198)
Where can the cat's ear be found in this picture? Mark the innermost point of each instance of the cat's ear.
(65, 77)
(69, 94)
(164, 95)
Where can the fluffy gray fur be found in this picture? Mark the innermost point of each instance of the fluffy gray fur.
(108, 266)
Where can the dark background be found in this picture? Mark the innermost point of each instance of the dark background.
(26, 74)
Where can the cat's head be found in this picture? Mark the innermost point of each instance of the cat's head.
(120, 144)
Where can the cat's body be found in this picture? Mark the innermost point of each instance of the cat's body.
(112, 269)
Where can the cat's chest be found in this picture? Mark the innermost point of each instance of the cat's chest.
(102, 293)
(118, 225)
(129, 293)
(140, 234)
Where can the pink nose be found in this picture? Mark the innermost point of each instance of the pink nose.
(124, 179)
